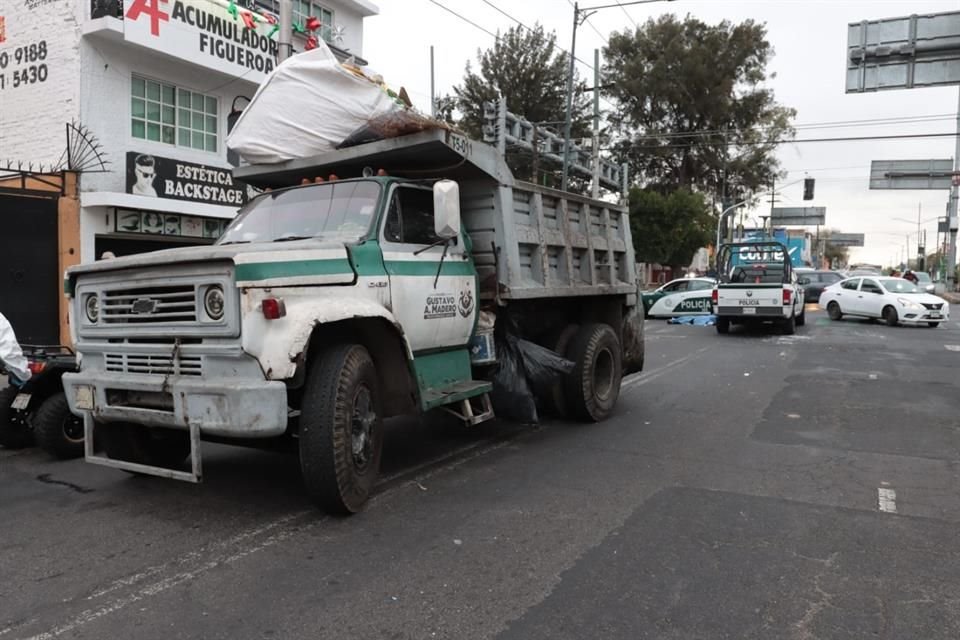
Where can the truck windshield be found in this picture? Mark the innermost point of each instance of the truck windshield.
(331, 211)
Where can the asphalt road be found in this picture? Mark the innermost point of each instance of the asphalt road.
(750, 486)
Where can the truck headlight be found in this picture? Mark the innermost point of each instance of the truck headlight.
(213, 303)
(92, 308)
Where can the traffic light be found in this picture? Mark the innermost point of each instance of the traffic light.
(808, 188)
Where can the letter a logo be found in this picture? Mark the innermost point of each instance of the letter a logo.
(152, 9)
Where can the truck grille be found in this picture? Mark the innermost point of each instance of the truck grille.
(154, 364)
(150, 305)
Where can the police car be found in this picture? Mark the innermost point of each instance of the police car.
(683, 297)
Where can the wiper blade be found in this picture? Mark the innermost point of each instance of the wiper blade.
(222, 244)
(291, 238)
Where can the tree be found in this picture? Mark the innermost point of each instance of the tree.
(669, 228)
(530, 71)
(694, 111)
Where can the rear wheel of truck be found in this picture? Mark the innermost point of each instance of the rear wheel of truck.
(594, 384)
(788, 327)
(151, 446)
(341, 429)
(802, 318)
(723, 325)
(58, 432)
(14, 431)
(555, 402)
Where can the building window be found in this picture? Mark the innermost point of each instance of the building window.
(303, 9)
(164, 113)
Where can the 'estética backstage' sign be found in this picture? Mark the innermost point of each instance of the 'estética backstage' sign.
(156, 177)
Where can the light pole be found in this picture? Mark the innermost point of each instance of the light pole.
(722, 217)
(579, 16)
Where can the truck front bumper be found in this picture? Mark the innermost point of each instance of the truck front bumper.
(228, 407)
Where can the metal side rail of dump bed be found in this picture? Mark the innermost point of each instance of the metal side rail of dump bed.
(528, 241)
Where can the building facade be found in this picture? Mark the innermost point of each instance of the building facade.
(135, 96)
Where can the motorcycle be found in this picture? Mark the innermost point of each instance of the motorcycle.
(37, 411)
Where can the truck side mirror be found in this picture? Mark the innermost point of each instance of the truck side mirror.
(446, 209)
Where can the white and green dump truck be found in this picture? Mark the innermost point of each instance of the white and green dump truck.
(329, 306)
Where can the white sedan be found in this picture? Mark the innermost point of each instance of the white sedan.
(895, 300)
(682, 297)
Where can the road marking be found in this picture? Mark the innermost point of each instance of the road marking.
(952, 347)
(887, 500)
(286, 526)
(637, 379)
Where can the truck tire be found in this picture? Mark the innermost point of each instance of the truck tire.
(594, 384)
(152, 446)
(788, 327)
(802, 318)
(341, 429)
(723, 325)
(58, 432)
(555, 402)
(14, 433)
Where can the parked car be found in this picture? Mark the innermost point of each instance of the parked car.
(895, 300)
(814, 282)
(682, 297)
(37, 412)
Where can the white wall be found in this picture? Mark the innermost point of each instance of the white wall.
(105, 105)
(33, 115)
(353, 28)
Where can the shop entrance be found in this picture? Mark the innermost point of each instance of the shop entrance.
(126, 245)
(29, 283)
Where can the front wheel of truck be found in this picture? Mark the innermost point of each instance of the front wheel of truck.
(341, 429)
(594, 384)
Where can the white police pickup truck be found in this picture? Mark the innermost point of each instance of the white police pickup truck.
(757, 284)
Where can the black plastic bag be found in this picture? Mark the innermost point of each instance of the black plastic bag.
(525, 369)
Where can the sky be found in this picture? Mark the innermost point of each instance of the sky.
(809, 39)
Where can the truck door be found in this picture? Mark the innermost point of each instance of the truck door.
(435, 312)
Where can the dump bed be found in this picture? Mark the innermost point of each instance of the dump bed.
(528, 241)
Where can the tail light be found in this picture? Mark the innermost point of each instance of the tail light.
(715, 296)
(787, 296)
(36, 366)
(273, 308)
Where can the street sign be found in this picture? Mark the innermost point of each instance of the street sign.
(903, 53)
(846, 239)
(798, 216)
(911, 174)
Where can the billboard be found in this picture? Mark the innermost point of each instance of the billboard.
(911, 174)
(846, 239)
(798, 216)
(903, 53)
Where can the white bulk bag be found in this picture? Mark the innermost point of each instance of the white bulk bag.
(307, 105)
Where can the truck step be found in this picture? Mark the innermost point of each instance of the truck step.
(454, 393)
(471, 414)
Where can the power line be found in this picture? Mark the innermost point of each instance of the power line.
(794, 141)
(810, 126)
(627, 13)
(467, 20)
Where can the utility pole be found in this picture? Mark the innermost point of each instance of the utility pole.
(568, 120)
(433, 94)
(596, 124)
(952, 222)
(285, 37)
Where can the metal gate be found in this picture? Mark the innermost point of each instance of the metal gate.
(29, 283)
